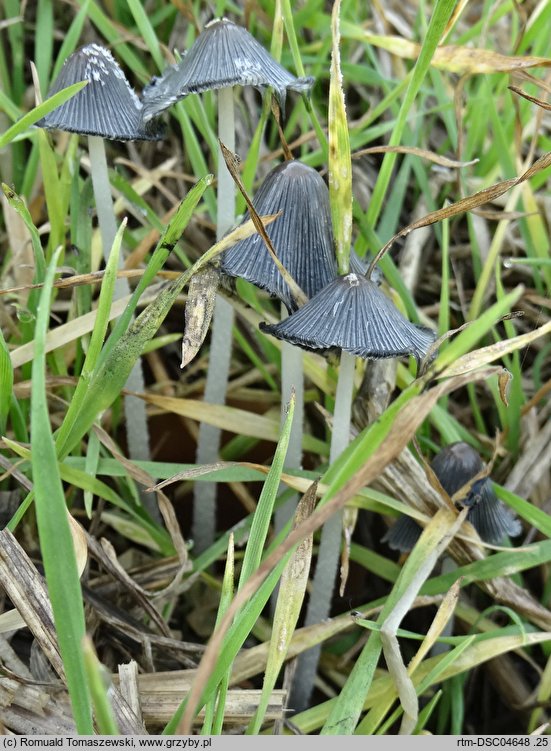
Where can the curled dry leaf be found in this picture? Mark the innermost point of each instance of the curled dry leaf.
(533, 99)
(504, 381)
(198, 312)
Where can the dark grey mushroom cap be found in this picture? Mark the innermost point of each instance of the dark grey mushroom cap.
(352, 313)
(454, 466)
(492, 519)
(106, 107)
(302, 237)
(224, 54)
(403, 534)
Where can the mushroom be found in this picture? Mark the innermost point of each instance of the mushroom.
(224, 55)
(107, 108)
(302, 236)
(353, 314)
(455, 466)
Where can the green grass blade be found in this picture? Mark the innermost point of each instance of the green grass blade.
(96, 674)
(56, 542)
(234, 640)
(164, 248)
(44, 40)
(96, 341)
(340, 162)
(147, 32)
(290, 598)
(6, 383)
(440, 17)
(214, 711)
(35, 114)
(52, 191)
(263, 513)
(464, 341)
(91, 467)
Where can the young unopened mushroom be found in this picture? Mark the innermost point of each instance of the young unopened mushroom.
(224, 55)
(106, 108)
(455, 465)
(302, 236)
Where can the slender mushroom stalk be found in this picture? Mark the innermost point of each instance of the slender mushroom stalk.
(350, 314)
(137, 432)
(107, 108)
(292, 380)
(340, 189)
(223, 55)
(208, 446)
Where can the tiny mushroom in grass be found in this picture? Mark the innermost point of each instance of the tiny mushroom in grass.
(107, 108)
(224, 55)
(353, 314)
(455, 466)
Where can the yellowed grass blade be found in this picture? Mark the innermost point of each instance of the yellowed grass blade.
(458, 59)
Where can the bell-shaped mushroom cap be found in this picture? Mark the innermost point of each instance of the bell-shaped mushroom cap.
(224, 54)
(354, 314)
(302, 237)
(403, 534)
(492, 519)
(107, 106)
(454, 466)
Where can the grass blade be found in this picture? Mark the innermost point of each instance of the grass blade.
(439, 19)
(56, 542)
(35, 114)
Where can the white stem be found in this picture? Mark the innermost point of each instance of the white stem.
(208, 445)
(102, 194)
(340, 437)
(319, 605)
(137, 433)
(225, 216)
(291, 378)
